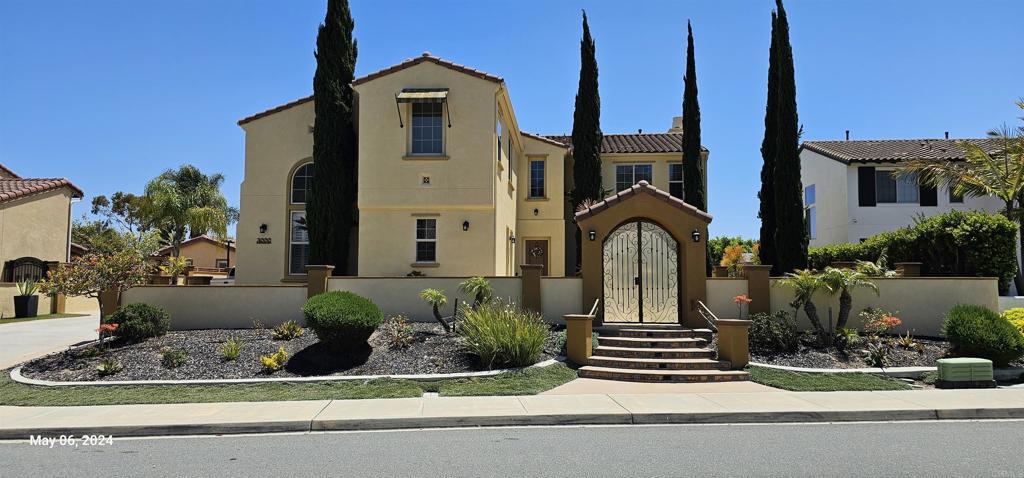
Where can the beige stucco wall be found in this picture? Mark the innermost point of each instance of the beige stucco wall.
(81, 305)
(7, 292)
(36, 226)
(205, 253)
(549, 222)
(234, 307)
(560, 296)
(721, 291)
(400, 295)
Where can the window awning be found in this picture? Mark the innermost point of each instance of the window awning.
(422, 95)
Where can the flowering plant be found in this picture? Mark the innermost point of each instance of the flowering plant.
(879, 321)
(740, 301)
(105, 331)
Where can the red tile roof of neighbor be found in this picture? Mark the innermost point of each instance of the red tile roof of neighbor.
(544, 139)
(167, 249)
(425, 57)
(642, 187)
(892, 150)
(634, 142)
(6, 173)
(11, 189)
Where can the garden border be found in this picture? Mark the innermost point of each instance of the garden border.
(1004, 373)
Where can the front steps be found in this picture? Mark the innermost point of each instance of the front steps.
(657, 353)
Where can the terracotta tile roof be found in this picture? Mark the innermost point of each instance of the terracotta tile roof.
(635, 143)
(6, 173)
(638, 188)
(19, 188)
(426, 56)
(167, 249)
(544, 139)
(890, 150)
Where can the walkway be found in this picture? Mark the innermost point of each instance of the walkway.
(22, 341)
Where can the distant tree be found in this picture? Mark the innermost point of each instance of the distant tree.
(331, 210)
(586, 132)
(186, 203)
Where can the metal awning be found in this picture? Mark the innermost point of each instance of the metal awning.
(422, 95)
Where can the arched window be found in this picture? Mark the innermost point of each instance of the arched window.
(302, 182)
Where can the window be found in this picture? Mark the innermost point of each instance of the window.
(302, 183)
(675, 180)
(189, 262)
(298, 247)
(222, 264)
(426, 240)
(427, 133)
(889, 189)
(626, 175)
(810, 212)
(955, 198)
(537, 178)
(498, 132)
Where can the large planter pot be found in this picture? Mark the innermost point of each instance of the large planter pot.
(26, 306)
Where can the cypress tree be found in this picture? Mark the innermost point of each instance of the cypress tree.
(331, 209)
(767, 193)
(790, 229)
(693, 169)
(586, 126)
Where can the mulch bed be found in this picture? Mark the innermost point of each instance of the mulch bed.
(809, 356)
(431, 352)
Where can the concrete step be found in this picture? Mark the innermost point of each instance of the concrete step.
(659, 363)
(654, 353)
(644, 342)
(639, 375)
(661, 333)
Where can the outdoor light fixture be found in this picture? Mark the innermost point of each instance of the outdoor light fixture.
(592, 234)
(512, 238)
(536, 211)
(263, 228)
(465, 225)
(695, 235)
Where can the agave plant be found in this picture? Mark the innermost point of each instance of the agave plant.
(478, 288)
(27, 288)
(843, 281)
(436, 299)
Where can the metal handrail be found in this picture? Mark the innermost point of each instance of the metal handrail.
(708, 316)
(593, 309)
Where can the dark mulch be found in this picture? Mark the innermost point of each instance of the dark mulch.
(816, 357)
(431, 352)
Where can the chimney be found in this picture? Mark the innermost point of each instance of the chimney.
(947, 134)
(847, 135)
(677, 125)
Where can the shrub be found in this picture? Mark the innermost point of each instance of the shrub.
(342, 319)
(139, 321)
(1016, 317)
(275, 361)
(109, 366)
(503, 334)
(878, 354)
(976, 331)
(230, 349)
(173, 358)
(478, 288)
(773, 333)
(878, 321)
(288, 330)
(397, 332)
(957, 243)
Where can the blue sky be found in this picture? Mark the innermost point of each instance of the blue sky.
(112, 93)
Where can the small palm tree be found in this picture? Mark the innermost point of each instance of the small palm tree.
(478, 288)
(843, 281)
(805, 283)
(436, 299)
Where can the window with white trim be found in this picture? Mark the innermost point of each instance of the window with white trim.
(675, 180)
(626, 175)
(302, 184)
(537, 178)
(298, 244)
(427, 133)
(426, 240)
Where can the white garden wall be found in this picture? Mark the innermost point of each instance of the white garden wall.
(230, 307)
(721, 291)
(561, 296)
(401, 295)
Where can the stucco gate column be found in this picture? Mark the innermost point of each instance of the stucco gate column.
(685, 223)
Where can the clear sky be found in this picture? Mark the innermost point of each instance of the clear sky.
(110, 93)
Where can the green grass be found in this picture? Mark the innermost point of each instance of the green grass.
(528, 382)
(823, 382)
(39, 317)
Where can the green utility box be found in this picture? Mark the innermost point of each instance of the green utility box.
(965, 372)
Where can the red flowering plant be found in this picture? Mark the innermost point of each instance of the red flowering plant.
(878, 322)
(105, 331)
(740, 301)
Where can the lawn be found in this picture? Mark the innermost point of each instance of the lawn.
(39, 317)
(823, 382)
(528, 382)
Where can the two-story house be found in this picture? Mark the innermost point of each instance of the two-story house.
(448, 183)
(851, 192)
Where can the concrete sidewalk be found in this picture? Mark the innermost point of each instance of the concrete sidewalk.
(325, 415)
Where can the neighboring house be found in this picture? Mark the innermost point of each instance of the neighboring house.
(850, 192)
(35, 224)
(204, 253)
(448, 183)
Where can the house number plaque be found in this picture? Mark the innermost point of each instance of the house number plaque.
(262, 240)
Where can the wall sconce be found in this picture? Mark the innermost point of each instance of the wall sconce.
(695, 235)
(592, 234)
(512, 238)
(263, 228)
(536, 211)
(465, 225)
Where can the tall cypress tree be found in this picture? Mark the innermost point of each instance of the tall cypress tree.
(693, 169)
(586, 133)
(790, 228)
(331, 209)
(767, 194)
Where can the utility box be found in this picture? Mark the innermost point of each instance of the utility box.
(965, 372)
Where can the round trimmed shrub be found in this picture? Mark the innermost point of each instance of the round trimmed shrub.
(975, 331)
(139, 321)
(342, 319)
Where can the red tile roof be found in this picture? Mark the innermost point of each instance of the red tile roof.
(19, 188)
(425, 57)
(891, 150)
(544, 139)
(635, 143)
(645, 188)
(6, 173)
(163, 251)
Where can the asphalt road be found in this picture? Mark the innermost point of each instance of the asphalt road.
(934, 449)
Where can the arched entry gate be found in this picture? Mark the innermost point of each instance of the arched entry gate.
(641, 274)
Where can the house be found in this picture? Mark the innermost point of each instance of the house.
(206, 254)
(449, 185)
(850, 192)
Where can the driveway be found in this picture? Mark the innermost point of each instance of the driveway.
(26, 340)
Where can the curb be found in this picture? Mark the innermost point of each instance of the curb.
(1001, 374)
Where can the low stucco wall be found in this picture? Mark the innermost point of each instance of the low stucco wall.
(1010, 302)
(81, 305)
(401, 295)
(7, 292)
(560, 296)
(233, 307)
(721, 291)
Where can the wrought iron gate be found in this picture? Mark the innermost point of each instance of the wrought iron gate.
(641, 274)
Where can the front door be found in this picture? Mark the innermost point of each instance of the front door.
(537, 253)
(641, 274)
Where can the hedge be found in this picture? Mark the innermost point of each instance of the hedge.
(954, 244)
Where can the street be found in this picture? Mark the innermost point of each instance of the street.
(948, 448)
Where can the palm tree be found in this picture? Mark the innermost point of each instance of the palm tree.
(478, 288)
(805, 283)
(436, 299)
(998, 173)
(844, 281)
(185, 203)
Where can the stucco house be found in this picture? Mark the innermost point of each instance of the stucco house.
(449, 185)
(850, 192)
(204, 253)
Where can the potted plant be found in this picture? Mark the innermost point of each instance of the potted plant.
(26, 303)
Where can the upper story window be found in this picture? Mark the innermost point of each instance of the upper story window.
(810, 212)
(426, 240)
(890, 189)
(675, 180)
(302, 183)
(626, 175)
(427, 133)
(537, 178)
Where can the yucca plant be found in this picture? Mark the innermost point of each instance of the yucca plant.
(503, 334)
(436, 299)
(843, 281)
(478, 288)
